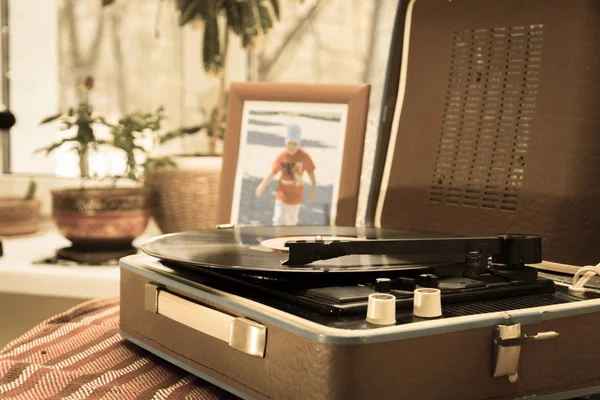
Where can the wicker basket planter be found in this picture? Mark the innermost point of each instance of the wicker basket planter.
(185, 198)
(101, 219)
(18, 216)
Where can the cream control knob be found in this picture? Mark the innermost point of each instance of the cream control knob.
(381, 309)
(427, 303)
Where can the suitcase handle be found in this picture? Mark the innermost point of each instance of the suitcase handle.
(240, 333)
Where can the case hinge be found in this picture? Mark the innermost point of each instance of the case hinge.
(507, 349)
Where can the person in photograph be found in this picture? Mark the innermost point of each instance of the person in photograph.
(291, 164)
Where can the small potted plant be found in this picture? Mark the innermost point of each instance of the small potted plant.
(20, 215)
(94, 216)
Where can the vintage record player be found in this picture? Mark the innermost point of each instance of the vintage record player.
(486, 177)
(357, 313)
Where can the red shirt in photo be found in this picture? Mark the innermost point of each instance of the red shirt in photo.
(292, 167)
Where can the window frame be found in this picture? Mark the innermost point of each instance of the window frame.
(4, 81)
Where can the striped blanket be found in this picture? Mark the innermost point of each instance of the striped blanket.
(79, 354)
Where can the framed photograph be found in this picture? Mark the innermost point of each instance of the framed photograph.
(293, 154)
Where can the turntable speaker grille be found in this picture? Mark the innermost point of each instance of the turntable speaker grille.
(486, 127)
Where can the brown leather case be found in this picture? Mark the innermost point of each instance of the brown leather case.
(454, 365)
(498, 125)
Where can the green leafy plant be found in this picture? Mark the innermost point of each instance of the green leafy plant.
(31, 189)
(135, 134)
(129, 134)
(81, 120)
(134, 130)
(249, 19)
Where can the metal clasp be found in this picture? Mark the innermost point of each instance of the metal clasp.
(507, 349)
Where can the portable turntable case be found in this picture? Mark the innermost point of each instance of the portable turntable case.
(260, 352)
(532, 68)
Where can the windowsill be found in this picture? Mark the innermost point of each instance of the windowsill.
(19, 274)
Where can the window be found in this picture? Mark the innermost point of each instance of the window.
(55, 46)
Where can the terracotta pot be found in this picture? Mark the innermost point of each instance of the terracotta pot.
(18, 216)
(101, 219)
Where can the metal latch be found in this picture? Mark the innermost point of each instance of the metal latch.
(507, 349)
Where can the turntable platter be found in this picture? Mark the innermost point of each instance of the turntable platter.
(259, 249)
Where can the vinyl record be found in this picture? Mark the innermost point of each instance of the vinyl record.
(258, 249)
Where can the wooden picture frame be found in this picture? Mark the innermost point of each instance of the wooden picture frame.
(331, 118)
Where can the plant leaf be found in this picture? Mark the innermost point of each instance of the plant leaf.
(211, 49)
(182, 4)
(31, 190)
(190, 12)
(65, 125)
(265, 16)
(234, 16)
(102, 120)
(107, 2)
(181, 132)
(104, 142)
(249, 28)
(55, 146)
(276, 9)
(51, 118)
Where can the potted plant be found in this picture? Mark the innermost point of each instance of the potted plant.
(94, 216)
(184, 189)
(186, 197)
(20, 215)
(164, 188)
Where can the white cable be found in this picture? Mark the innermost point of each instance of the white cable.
(580, 281)
(558, 283)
